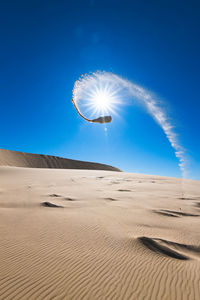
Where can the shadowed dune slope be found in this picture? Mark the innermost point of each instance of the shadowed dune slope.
(28, 160)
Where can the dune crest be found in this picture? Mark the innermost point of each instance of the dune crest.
(29, 160)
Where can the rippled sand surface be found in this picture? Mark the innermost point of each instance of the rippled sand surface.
(80, 234)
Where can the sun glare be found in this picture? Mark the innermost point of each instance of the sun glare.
(97, 95)
(102, 100)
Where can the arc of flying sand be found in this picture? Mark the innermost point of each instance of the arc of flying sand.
(151, 103)
(101, 120)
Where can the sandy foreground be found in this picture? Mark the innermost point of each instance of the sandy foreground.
(85, 234)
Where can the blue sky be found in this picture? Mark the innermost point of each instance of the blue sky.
(46, 45)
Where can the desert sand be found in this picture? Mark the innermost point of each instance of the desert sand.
(93, 234)
(29, 160)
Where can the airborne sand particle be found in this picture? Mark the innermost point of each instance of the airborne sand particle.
(88, 82)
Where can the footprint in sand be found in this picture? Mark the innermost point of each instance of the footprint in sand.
(174, 213)
(186, 198)
(69, 199)
(110, 199)
(164, 213)
(54, 195)
(49, 204)
(170, 249)
(60, 196)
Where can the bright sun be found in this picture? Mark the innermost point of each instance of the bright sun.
(101, 100)
(97, 97)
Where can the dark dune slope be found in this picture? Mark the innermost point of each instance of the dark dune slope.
(21, 159)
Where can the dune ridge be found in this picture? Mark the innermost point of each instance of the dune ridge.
(29, 160)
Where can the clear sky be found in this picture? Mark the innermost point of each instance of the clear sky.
(46, 45)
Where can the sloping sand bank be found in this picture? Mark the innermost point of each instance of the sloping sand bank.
(79, 234)
(29, 160)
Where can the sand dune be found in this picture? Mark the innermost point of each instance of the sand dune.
(85, 234)
(21, 159)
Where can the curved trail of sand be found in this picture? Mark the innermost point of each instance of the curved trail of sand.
(120, 88)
